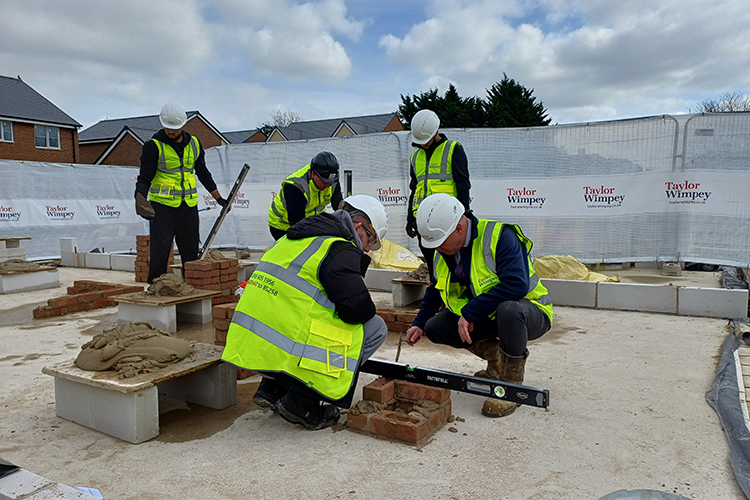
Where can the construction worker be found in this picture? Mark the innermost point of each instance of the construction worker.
(306, 320)
(306, 192)
(439, 165)
(166, 193)
(494, 301)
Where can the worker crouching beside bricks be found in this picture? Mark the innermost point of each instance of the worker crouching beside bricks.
(306, 321)
(494, 301)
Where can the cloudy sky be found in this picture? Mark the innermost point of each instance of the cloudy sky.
(237, 61)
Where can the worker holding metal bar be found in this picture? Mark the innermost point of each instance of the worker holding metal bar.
(306, 320)
(304, 193)
(494, 301)
(166, 192)
(439, 165)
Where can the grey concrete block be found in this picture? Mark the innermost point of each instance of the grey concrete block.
(162, 317)
(132, 417)
(404, 294)
(637, 297)
(571, 292)
(25, 282)
(98, 261)
(712, 302)
(214, 387)
(122, 262)
(647, 265)
(379, 280)
(197, 311)
(12, 253)
(68, 245)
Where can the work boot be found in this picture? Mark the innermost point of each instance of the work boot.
(268, 392)
(512, 370)
(489, 350)
(307, 412)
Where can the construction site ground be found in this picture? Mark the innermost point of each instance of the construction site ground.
(627, 411)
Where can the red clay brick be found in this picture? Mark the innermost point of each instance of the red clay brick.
(386, 314)
(98, 304)
(406, 317)
(399, 426)
(81, 306)
(132, 288)
(360, 421)
(197, 265)
(222, 324)
(113, 291)
(380, 390)
(416, 392)
(220, 337)
(440, 417)
(42, 312)
(66, 301)
(397, 327)
(242, 374)
(81, 284)
(231, 271)
(90, 296)
(73, 290)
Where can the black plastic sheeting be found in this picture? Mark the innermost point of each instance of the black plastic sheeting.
(642, 495)
(725, 399)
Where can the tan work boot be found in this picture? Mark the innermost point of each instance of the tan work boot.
(512, 370)
(489, 350)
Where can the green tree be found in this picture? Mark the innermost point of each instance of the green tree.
(510, 104)
(728, 102)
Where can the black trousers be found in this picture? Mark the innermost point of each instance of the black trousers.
(276, 232)
(172, 225)
(516, 322)
(428, 254)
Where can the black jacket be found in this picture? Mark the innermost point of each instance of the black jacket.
(150, 158)
(342, 271)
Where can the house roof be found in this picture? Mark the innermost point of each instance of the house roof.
(239, 136)
(19, 100)
(370, 124)
(144, 127)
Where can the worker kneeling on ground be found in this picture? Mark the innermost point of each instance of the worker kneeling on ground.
(306, 320)
(494, 301)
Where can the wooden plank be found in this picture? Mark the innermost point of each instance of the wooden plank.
(409, 281)
(5, 273)
(203, 356)
(14, 238)
(142, 298)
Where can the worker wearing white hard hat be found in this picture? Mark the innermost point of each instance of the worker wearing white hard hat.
(439, 165)
(494, 301)
(166, 192)
(308, 291)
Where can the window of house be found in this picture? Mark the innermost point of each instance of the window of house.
(47, 137)
(6, 131)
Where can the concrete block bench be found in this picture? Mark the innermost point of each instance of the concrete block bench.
(128, 409)
(27, 280)
(165, 312)
(10, 248)
(407, 291)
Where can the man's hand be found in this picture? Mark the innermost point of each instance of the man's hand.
(222, 202)
(413, 335)
(464, 327)
(411, 227)
(143, 207)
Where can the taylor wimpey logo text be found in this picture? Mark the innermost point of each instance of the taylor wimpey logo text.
(7, 214)
(57, 212)
(239, 201)
(107, 212)
(685, 192)
(602, 197)
(391, 197)
(524, 198)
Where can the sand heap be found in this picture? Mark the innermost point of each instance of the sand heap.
(419, 274)
(16, 265)
(169, 285)
(213, 254)
(132, 348)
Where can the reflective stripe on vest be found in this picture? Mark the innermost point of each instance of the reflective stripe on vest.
(173, 173)
(483, 275)
(437, 181)
(317, 200)
(284, 322)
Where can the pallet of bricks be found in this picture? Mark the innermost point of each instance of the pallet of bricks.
(143, 257)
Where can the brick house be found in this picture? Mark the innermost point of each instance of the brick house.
(119, 141)
(34, 129)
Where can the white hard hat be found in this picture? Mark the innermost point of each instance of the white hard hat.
(437, 218)
(424, 126)
(172, 116)
(375, 211)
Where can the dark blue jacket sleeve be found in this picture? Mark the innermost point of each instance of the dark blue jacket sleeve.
(512, 269)
(295, 203)
(431, 303)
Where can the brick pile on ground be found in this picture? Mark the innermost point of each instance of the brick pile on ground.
(400, 410)
(143, 257)
(222, 315)
(397, 321)
(84, 295)
(218, 274)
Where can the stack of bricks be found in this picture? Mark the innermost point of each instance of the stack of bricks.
(408, 412)
(222, 314)
(143, 257)
(397, 322)
(84, 295)
(217, 274)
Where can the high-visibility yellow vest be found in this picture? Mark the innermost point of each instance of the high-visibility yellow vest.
(437, 177)
(175, 176)
(284, 321)
(278, 216)
(483, 271)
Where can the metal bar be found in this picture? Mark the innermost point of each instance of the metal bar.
(230, 199)
(496, 389)
(347, 185)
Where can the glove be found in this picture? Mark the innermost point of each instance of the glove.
(143, 207)
(411, 227)
(222, 202)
